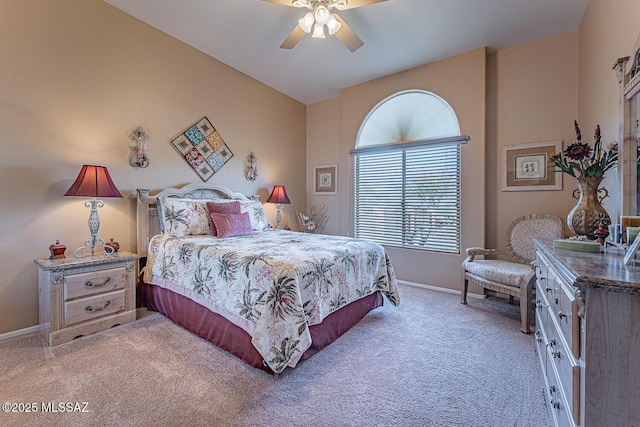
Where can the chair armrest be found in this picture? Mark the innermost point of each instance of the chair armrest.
(473, 252)
(480, 251)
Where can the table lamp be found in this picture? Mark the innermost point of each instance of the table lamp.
(93, 181)
(279, 197)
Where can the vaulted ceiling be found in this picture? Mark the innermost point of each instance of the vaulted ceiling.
(397, 35)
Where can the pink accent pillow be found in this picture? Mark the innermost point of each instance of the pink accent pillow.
(229, 225)
(221, 208)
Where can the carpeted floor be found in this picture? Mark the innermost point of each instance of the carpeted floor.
(429, 362)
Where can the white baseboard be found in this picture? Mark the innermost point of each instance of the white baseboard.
(439, 289)
(19, 332)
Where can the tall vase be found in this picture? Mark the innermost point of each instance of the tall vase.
(586, 215)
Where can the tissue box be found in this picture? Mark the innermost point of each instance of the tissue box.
(577, 245)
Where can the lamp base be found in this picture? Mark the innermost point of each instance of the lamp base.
(89, 246)
(94, 226)
(278, 216)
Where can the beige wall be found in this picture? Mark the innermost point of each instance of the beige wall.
(76, 78)
(532, 97)
(609, 30)
(324, 145)
(460, 80)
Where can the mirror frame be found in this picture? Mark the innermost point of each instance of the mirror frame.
(628, 72)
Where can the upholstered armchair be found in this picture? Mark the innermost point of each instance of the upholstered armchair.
(511, 273)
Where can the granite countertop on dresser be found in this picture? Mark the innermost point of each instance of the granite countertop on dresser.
(595, 270)
(89, 260)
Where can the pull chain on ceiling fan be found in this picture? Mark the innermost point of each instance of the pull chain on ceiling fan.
(319, 16)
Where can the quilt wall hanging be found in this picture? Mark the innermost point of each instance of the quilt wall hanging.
(203, 148)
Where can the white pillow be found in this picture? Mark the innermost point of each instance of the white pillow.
(183, 217)
(256, 214)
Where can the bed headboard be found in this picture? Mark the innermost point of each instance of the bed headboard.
(148, 222)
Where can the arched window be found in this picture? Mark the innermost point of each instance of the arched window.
(407, 174)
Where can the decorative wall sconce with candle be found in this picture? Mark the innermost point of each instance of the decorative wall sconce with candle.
(139, 158)
(93, 181)
(252, 169)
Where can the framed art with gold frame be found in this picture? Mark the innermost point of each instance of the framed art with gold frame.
(325, 180)
(526, 167)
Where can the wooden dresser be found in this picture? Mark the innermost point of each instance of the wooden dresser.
(588, 336)
(81, 296)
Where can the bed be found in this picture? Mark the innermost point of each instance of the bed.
(269, 297)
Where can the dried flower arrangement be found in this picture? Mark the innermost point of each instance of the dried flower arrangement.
(580, 159)
(312, 220)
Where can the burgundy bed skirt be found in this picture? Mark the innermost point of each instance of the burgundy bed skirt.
(229, 337)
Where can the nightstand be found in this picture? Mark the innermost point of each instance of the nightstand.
(82, 296)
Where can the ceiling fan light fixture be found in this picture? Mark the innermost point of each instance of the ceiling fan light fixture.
(318, 31)
(333, 25)
(322, 14)
(306, 22)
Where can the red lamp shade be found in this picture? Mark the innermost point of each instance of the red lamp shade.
(94, 181)
(279, 196)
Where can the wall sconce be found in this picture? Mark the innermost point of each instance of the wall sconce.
(252, 169)
(139, 157)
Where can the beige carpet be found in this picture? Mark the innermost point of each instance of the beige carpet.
(429, 362)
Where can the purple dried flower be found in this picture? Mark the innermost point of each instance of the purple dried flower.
(577, 151)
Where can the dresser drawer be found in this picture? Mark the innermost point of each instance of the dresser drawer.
(94, 282)
(569, 321)
(83, 309)
(565, 369)
(558, 407)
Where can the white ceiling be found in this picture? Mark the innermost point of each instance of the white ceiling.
(397, 35)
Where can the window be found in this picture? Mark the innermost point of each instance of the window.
(407, 194)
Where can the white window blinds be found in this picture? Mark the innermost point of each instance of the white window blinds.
(408, 195)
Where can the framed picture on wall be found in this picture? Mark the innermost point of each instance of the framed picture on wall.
(325, 180)
(526, 167)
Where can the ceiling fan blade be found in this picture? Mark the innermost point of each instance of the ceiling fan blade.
(292, 39)
(347, 36)
(352, 4)
(282, 2)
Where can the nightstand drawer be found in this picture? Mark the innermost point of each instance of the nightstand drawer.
(92, 307)
(94, 282)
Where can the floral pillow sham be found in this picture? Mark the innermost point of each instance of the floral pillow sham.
(186, 217)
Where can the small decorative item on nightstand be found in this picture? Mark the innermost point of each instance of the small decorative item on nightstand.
(57, 250)
(113, 244)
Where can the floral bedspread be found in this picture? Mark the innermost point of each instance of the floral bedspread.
(273, 284)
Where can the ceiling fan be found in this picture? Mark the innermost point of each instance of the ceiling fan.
(318, 16)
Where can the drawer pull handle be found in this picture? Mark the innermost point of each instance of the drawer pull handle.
(90, 284)
(92, 309)
(556, 354)
(555, 404)
(548, 289)
(552, 389)
(561, 315)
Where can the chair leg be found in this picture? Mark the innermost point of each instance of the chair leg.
(525, 308)
(463, 291)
